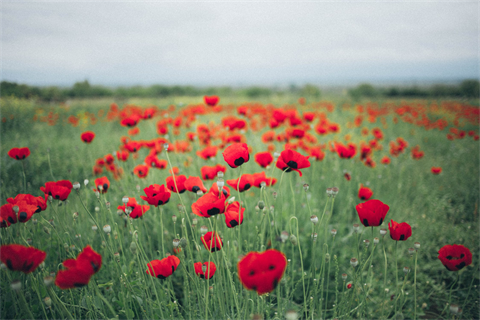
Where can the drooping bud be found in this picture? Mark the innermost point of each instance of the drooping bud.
(354, 262)
(327, 257)
(293, 239)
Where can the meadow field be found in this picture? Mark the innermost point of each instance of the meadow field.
(311, 238)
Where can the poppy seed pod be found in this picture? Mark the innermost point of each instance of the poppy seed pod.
(48, 280)
(416, 245)
(411, 251)
(120, 212)
(305, 187)
(454, 308)
(356, 227)
(314, 219)
(107, 228)
(335, 191)
(125, 200)
(107, 205)
(220, 183)
(284, 236)
(376, 241)
(220, 174)
(291, 315)
(354, 262)
(203, 230)
(344, 276)
(29, 241)
(47, 301)
(35, 221)
(406, 270)
(383, 231)
(194, 221)
(165, 146)
(16, 285)
(329, 191)
(76, 185)
(366, 243)
(315, 236)
(85, 182)
(176, 243)
(174, 218)
(333, 232)
(274, 195)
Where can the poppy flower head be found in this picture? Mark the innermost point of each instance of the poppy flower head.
(234, 215)
(79, 271)
(455, 257)
(264, 159)
(292, 160)
(194, 184)
(208, 152)
(156, 195)
(20, 258)
(104, 183)
(141, 171)
(122, 155)
(385, 160)
(210, 269)
(209, 173)
(39, 202)
(246, 182)
(19, 153)
(212, 241)
(436, 170)
(225, 190)
(211, 100)
(179, 182)
(260, 177)
(372, 213)
(365, 193)
(262, 272)
(87, 136)
(399, 231)
(164, 268)
(236, 154)
(59, 190)
(209, 204)
(136, 210)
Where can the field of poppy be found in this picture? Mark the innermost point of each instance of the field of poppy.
(222, 208)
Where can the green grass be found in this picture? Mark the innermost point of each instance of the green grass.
(441, 209)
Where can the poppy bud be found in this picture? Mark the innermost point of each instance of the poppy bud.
(314, 236)
(284, 236)
(47, 301)
(231, 200)
(349, 285)
(366, 242)
(174, 218)
(16, 285)
(183, 242)
(65, 245)
(263, 184)
(416, 245)
(104, 244)
(176, 242)
(383, 231)
(327, 257)
(334, 232)
(29, 241)
(220, 184)
(291, 315)
(203, 230)
(454, 308)
(76, 185)
(356, 227)
(85, 182)
(411, 251)
(354, 262)
(133, 247)
(406, 270)
(376, 241)
(16, 209)
(293, 239)
(107, 228)
(314, 219)
(46, 230)
(125, 200)
(194, 221)
(48, 280)
(305, 187)
(344, 276)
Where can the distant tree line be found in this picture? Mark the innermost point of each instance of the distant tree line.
(85, 90)
(467, 88)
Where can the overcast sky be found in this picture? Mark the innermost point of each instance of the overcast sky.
(238, 43)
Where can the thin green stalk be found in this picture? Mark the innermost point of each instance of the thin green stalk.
(396, 275)
(415, 286)
(303, 273)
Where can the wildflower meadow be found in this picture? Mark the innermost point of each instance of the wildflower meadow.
(214, 207)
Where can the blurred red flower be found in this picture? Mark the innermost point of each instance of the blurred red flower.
(20, 258)
(365, 193)
(87, 136)
(79, 270)
(236, 154)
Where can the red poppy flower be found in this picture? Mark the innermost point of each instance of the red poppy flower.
(20, 258)
(122, 155)
(79, 270)
(210, 269)
(156, 195)
(262, 271)
(365, 193)
(385, 160)
(133, 146)
(109, 159)
(25, 212)
(372, 213)
(209, 173)
(87, 136)
(208, 152)
(194, 184)
(164, 268)
(211, 100)
(179, 181)
(347, 176)
(19, 153)
(234, 216)
(258, 178)
(130, 121)
(7, 215)
(455, 257)
(141, 171)
(39, 202)
(212, 241)
(236, 154)
(152, 161)
(59, 190)
(292, 160)
(399, 231)
(137, 210)
(225, 190)
(246, 182)
(209, 204)
(264, 158)
(103, 181)
(436, 170)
